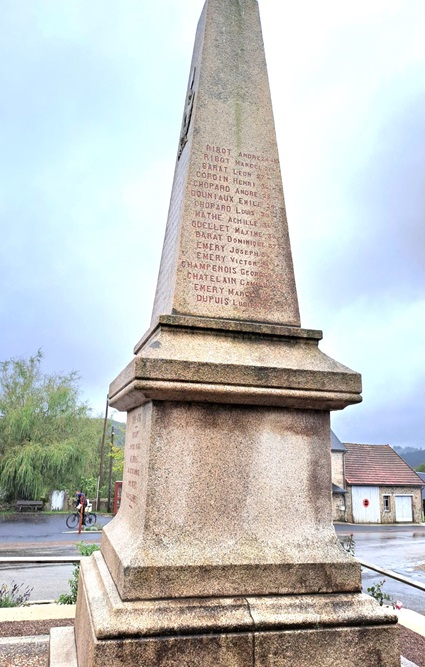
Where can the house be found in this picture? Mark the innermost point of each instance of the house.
(381, 487)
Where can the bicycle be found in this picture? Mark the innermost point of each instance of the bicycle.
(73, 520)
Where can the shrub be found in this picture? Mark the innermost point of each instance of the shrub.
(14, 596)
(376, 592)
(71, 598)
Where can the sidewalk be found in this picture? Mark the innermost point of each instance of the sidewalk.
(412, 621)
(37, 612)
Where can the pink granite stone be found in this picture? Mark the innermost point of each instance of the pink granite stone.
(226, 251)
(223, 552)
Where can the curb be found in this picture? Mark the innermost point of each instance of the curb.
(37, 612)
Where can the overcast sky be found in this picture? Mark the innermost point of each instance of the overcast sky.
(92, 97)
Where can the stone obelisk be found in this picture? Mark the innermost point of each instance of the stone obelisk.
(223, 553)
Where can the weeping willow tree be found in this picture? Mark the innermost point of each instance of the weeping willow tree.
(47, 438)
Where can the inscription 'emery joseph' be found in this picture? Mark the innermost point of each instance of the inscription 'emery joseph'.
(233, 228)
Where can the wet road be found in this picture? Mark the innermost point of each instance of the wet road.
(41, 535)
(38, 527)
(397, 548)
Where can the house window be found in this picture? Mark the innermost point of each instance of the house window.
(386, 503)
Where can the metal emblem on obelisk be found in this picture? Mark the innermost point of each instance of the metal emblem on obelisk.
(187, 116)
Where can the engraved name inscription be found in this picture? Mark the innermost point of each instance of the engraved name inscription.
(234, 251)
(132, 459)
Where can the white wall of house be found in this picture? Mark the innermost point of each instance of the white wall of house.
(396, 504)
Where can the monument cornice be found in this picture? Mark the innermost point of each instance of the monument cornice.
(235, 362)
(216, 324)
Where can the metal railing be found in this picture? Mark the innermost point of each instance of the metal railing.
(392, 575)
(40, 559)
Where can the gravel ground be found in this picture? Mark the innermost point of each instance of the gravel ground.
(27, 628)
(28, 652)
(35, 653)
(32, 649)
(412, 646)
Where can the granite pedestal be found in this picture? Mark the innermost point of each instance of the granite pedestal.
(223, 553)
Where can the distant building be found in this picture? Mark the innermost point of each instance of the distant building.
(373, 484)
(381, 487)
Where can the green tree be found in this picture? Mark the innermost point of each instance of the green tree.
(117, 454)
(47, 438)
(420, 468)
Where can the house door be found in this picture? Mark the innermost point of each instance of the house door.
(403, 508)
(366, 504)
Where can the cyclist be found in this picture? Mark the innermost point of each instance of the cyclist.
(81, 504)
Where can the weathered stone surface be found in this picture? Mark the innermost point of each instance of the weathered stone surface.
(223, 553)
(226, 252)
(279, 631)
(194, 359)
(111, 616)
(345, 647)
(62, 651)
(226, 500)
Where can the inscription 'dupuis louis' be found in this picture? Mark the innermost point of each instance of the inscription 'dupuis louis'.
(233, 251)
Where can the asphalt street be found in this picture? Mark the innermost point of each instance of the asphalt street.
(33, 534)
(46, 582)
(400, 548)
(38, 527)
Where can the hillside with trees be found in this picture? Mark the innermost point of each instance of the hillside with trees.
(413, 456)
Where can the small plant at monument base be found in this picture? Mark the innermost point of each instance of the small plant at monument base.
(349, 543)
(71, 597)
(95, 528)
(14, 596)
(376, 592)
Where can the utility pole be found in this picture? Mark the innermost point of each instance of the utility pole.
(110, 469)
(102, 454)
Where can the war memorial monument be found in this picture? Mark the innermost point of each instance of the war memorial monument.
(223, 553)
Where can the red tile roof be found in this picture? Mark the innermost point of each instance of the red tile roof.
(377, 465)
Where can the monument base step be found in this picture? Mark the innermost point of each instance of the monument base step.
(345, 647)
(324, 630)
(62, 649)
